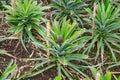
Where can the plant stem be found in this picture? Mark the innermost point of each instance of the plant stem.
(13, 5)
(48, 35)
(93, 18)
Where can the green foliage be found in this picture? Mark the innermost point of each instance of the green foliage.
(107, 23)
(65, 53)
(119, 78)
(9, 71)
(3, 2)
(63, 50)
(2, 13)
(58, 78)
(90, 2)
(115, 64)
(117, 2)
(107, 76)
(100, 75)
(72, 9)
(25, 19)
(65, 31)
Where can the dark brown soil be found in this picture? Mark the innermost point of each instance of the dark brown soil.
(15, 48)
(19, 52)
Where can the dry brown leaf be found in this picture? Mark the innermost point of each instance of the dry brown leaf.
(13, 2)
(93, 18)
(48, 35)
(15, 35)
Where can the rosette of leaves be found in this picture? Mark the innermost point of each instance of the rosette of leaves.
(105, 34)
(72, 9)
(63, 49)
(25, 18)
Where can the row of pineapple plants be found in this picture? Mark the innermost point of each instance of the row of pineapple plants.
(75, 31)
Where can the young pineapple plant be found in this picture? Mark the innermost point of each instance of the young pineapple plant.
(105, 34)
(24, 19)
(64, 42)
(72, 9)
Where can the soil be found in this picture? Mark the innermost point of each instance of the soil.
(15, 48)
(19, 52)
